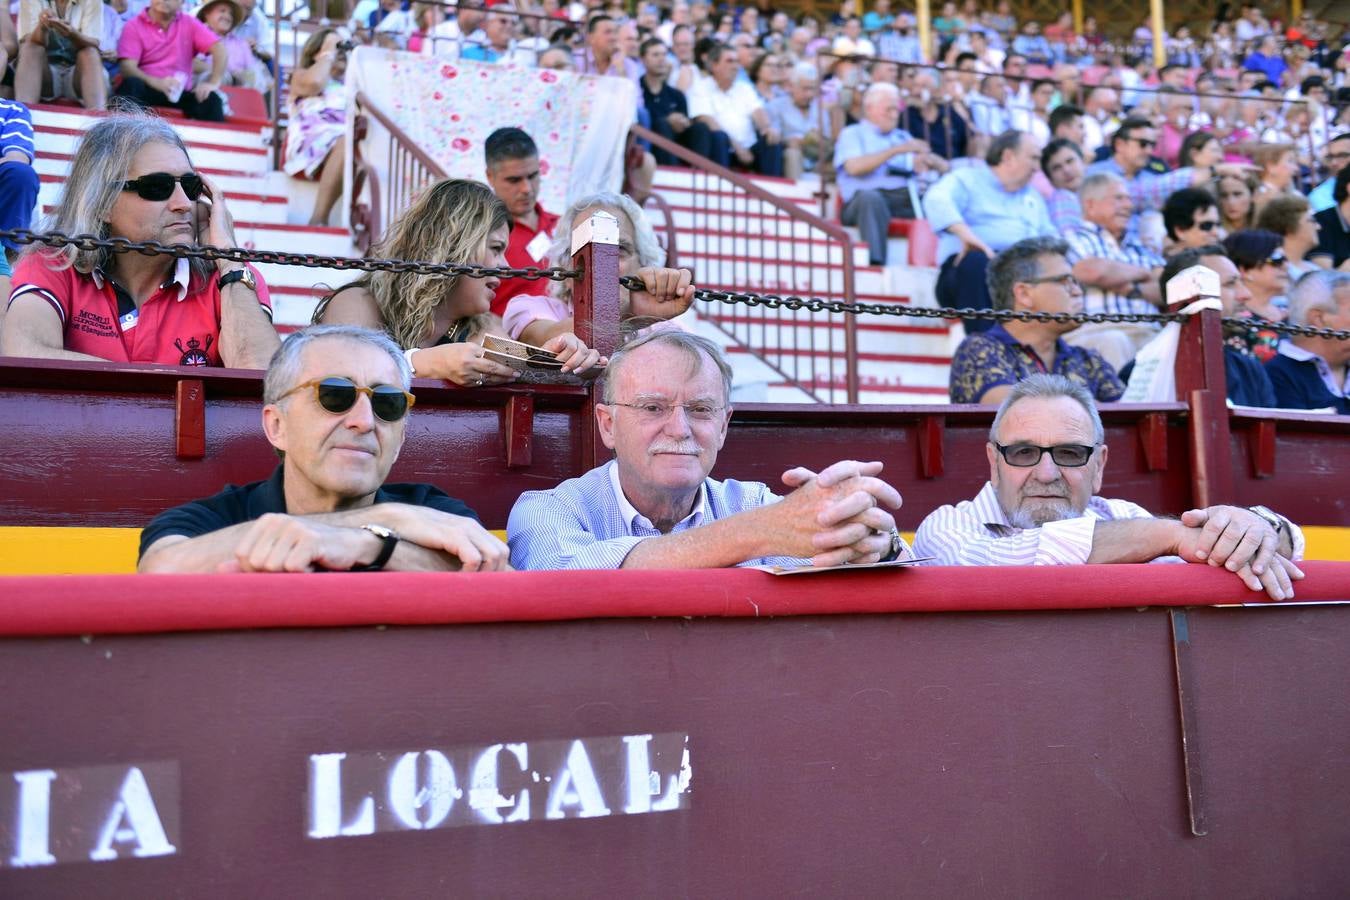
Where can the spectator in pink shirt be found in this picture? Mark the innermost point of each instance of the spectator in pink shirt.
(156, 52)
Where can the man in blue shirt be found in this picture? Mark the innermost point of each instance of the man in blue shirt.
(875, 160)
(665, 413)
(981, 211)
(1314, 372)
(18, 180)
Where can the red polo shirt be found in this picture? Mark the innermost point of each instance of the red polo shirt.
(523, 240)
(178, 325)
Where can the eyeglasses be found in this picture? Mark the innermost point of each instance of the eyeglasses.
(1146, 143)
(1066, 281)
(1275, 260)
(337, 395)
(653, 411)
(159, 185)
(1207, 226)
(1024, 456)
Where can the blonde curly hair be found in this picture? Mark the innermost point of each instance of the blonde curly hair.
(450, 223)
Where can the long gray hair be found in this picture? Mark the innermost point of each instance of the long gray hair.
(102, 162)
(648, 249)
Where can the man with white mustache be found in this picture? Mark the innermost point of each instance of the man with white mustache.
(1047, 453)
(665, 413)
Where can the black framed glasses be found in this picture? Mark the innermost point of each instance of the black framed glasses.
(159, 185)
(1207, 226)
(1024, 456)
(1146, 143)
(1068, 281)
(337, 395)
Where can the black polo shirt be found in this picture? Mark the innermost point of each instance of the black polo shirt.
(236, 504)
(1334, 238)
(668, 101)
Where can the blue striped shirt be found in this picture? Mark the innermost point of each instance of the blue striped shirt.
(16, 128)
(1090, 240)
(586, 523)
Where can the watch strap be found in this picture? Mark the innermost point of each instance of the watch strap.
(238, 275)
(390, 540)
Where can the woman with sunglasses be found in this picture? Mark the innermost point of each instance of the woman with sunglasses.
(440, 321)
(131, 178)
(1261, 265)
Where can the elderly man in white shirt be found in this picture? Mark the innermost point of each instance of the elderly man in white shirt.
(733, 108)
(1047, 454)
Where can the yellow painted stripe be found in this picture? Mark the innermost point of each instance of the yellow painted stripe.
(105, 551)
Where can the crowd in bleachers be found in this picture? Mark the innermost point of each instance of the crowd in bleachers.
(1240, 141)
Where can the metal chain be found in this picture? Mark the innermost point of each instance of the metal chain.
(239, 254)
(533, 273)
(815, 304)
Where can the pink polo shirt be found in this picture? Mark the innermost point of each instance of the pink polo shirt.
(163, 51)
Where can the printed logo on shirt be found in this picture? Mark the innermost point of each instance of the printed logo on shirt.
(194, 354)
(129, 320)
(92, 323)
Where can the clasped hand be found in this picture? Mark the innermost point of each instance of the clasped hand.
(839, 515)
(1243, 543)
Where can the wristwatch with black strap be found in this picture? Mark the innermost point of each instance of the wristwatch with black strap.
(244, 275)
(390, 540)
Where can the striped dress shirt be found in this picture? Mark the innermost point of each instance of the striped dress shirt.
(587, 523)
(1089, 240)
(977, 533)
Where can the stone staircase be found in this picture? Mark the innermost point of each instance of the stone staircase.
(901, 360)
(732, 245)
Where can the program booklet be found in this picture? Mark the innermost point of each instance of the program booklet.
(534, 364)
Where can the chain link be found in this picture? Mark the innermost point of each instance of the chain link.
(533, 273)
(239, 254)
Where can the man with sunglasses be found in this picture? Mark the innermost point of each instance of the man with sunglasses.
(77, 304)
(335, 406)
(1047, 455)
(1032, 275)
(1132, 148)
(665, 413)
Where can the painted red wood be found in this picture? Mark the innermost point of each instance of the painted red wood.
(518, 430)
(190, 419)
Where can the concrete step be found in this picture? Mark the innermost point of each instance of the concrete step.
(224, 157)
(679, 177)
(64, 118)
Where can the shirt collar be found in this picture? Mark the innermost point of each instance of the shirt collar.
(988, 509)
(182, 276)
(1294, 351)
(632, 517)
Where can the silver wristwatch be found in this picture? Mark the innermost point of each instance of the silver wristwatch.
(1270, 517)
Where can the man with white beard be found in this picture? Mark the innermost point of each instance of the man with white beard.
(1047, 454)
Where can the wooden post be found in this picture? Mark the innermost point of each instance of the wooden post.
(595, 307)
(1202, 384)
(923, 13)
(1155, 8)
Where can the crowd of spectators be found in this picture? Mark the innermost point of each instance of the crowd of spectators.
(1010, 131)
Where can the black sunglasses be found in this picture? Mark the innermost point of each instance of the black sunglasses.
(337, 395)
(159, 185)
(1144, 142)
(1024, 456)
(1206, 226)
